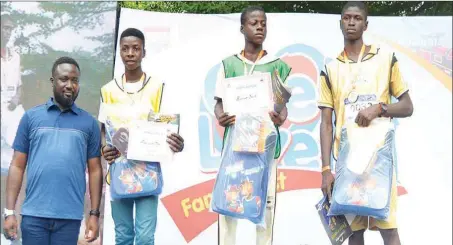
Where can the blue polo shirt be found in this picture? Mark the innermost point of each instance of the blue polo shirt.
(58, 144)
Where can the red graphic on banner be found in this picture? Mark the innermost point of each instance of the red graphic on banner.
(304, 66)
(189, 208)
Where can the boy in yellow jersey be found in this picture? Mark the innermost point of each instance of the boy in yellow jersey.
(134, 87)
(358, 71)
(253, 59)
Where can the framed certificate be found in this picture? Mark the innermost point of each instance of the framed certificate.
(247, 94)
(148, 141)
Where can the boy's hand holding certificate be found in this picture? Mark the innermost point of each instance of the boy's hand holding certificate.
(139, 133)
(148, 141)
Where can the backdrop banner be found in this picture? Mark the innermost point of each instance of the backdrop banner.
(186, 50)
(41, 33)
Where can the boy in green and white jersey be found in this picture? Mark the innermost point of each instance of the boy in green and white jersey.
(253, 59)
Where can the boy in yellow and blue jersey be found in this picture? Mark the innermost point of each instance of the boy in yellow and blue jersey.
(372, 71)
(134, 87)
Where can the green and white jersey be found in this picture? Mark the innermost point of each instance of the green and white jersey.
(237, 65)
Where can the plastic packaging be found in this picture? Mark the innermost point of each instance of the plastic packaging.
(250, 134)
(281, 92)
(240, 190)
(129, 178)
(364, 170)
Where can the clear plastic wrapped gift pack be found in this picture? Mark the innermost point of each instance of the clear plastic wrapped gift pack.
(129, 178)
(364, 170)
(240, 190)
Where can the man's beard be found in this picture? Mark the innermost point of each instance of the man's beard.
(63, 101)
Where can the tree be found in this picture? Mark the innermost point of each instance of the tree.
(37, 56)
(377, 8)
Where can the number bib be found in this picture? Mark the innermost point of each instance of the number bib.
(352, 109)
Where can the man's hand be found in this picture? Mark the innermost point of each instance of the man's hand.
(10, 227)
(277, 118)
(226, 120)
(92, 229)
(327, 183)
(365, 116)
(176, 142)
(110, 153)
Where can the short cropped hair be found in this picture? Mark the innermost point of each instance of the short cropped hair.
(132, 32)
(64, 60)
(248, 10)
(360, 5)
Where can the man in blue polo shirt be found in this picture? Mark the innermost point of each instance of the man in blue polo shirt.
(54, 143)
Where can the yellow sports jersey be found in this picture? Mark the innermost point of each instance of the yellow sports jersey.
(377, 78)
(147, 92)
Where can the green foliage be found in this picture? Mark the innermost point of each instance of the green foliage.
(376, 8)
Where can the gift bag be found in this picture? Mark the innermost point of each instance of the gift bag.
(364, 170)
(129, 178)
(240, 190)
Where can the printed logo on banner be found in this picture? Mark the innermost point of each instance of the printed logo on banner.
(299, 163)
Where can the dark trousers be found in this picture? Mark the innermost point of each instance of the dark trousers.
(44, 231)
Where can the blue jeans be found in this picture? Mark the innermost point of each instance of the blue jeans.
(145, 220)
(45, 231)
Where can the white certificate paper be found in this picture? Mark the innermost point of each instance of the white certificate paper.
(247, 94)
(148, 141)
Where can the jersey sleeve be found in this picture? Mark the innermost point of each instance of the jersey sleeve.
(94, 141)
(101, 113)
(157, 94)
(22, 141)
(169, 95)
(325, 91)
(219, 91)
(284, 71)
(397, 84)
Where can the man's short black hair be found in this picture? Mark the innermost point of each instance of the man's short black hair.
(360, 5)
(248, 10)
(132, 32)
(64, 60)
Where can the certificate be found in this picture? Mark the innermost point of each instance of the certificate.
(148, 141)
(247, 94)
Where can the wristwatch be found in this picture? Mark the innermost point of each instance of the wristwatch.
(383, 107)
(95, 212)
(8, 212)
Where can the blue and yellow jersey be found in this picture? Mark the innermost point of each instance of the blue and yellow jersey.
(380, 75)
